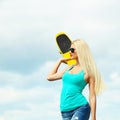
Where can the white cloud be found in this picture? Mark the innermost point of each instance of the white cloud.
(21, 80)
(110, 99)
(42, 94)
(42, 103)
(1, 118)
(114, 80)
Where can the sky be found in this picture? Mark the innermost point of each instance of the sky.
(28, 52)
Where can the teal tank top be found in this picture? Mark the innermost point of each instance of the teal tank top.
(71, 94)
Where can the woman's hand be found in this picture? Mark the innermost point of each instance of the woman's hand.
(64, 60)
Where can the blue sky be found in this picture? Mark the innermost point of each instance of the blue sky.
(28, 51)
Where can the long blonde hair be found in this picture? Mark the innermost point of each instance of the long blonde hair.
(88, 64)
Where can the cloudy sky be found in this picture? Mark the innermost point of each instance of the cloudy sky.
(28, 51)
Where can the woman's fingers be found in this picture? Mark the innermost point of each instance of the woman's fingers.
(64, 60)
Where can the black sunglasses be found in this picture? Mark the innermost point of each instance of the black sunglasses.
(72, 50)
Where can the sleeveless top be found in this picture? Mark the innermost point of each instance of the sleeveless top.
(71, 94)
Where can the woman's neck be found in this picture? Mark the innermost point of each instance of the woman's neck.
(77, 63)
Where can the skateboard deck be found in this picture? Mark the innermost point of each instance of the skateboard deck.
(64, 43)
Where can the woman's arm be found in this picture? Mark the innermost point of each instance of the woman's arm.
(54, 74)
(92, 97)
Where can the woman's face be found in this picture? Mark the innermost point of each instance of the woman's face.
(73, 52)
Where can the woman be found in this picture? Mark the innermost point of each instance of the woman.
(73, 104)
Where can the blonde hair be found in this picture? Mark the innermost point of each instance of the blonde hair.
(88, 64)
